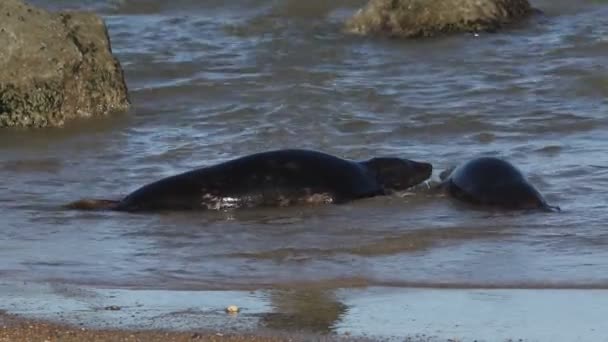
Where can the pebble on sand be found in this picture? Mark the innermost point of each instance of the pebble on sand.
(232, 309)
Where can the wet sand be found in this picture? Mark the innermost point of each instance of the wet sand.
(74, 312)
(18, 329)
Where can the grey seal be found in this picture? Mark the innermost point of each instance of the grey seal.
(272, 178)
(493, 182)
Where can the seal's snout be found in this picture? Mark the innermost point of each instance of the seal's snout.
(421, 171)
(424, 169)
(399, 174)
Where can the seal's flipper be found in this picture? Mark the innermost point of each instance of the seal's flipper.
(551, 208)
(435, 187)
(446, 173)
(93, 204)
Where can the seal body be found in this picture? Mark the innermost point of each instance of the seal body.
(274, 178)
(493, 182)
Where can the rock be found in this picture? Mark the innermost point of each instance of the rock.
(55, 66)
(425, 18)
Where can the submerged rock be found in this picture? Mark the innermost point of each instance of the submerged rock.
(55, 66)
(424, 18)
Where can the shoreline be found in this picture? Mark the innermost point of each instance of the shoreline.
(35, 311)
(16, 328)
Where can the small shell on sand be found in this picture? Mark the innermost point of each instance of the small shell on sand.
(232, 309)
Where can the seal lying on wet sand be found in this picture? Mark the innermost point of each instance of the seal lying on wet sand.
(493, 182)
(274, 178)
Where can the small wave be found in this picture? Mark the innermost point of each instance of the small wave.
(140, 7)
(412, 241)
(46, 165)
(529, 285)
(593, 86)
(562, 7)
(63, 263)
(557, 123)
(484, 137)
(455, 124)
(252, 284)
(312, 8)
(550, 150)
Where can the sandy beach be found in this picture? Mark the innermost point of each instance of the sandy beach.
(60, 312)
(15, 328)
(18, 329)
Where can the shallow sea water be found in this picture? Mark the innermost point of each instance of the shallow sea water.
(214, 80)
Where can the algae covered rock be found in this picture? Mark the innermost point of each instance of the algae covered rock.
(55, 66)
(425, 18)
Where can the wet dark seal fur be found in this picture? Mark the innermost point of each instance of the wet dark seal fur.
(274, 178)
(493, 182)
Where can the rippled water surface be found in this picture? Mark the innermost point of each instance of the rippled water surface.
(214, 80)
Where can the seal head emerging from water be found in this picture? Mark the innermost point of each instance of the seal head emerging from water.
(493, 182)
(274, 178)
